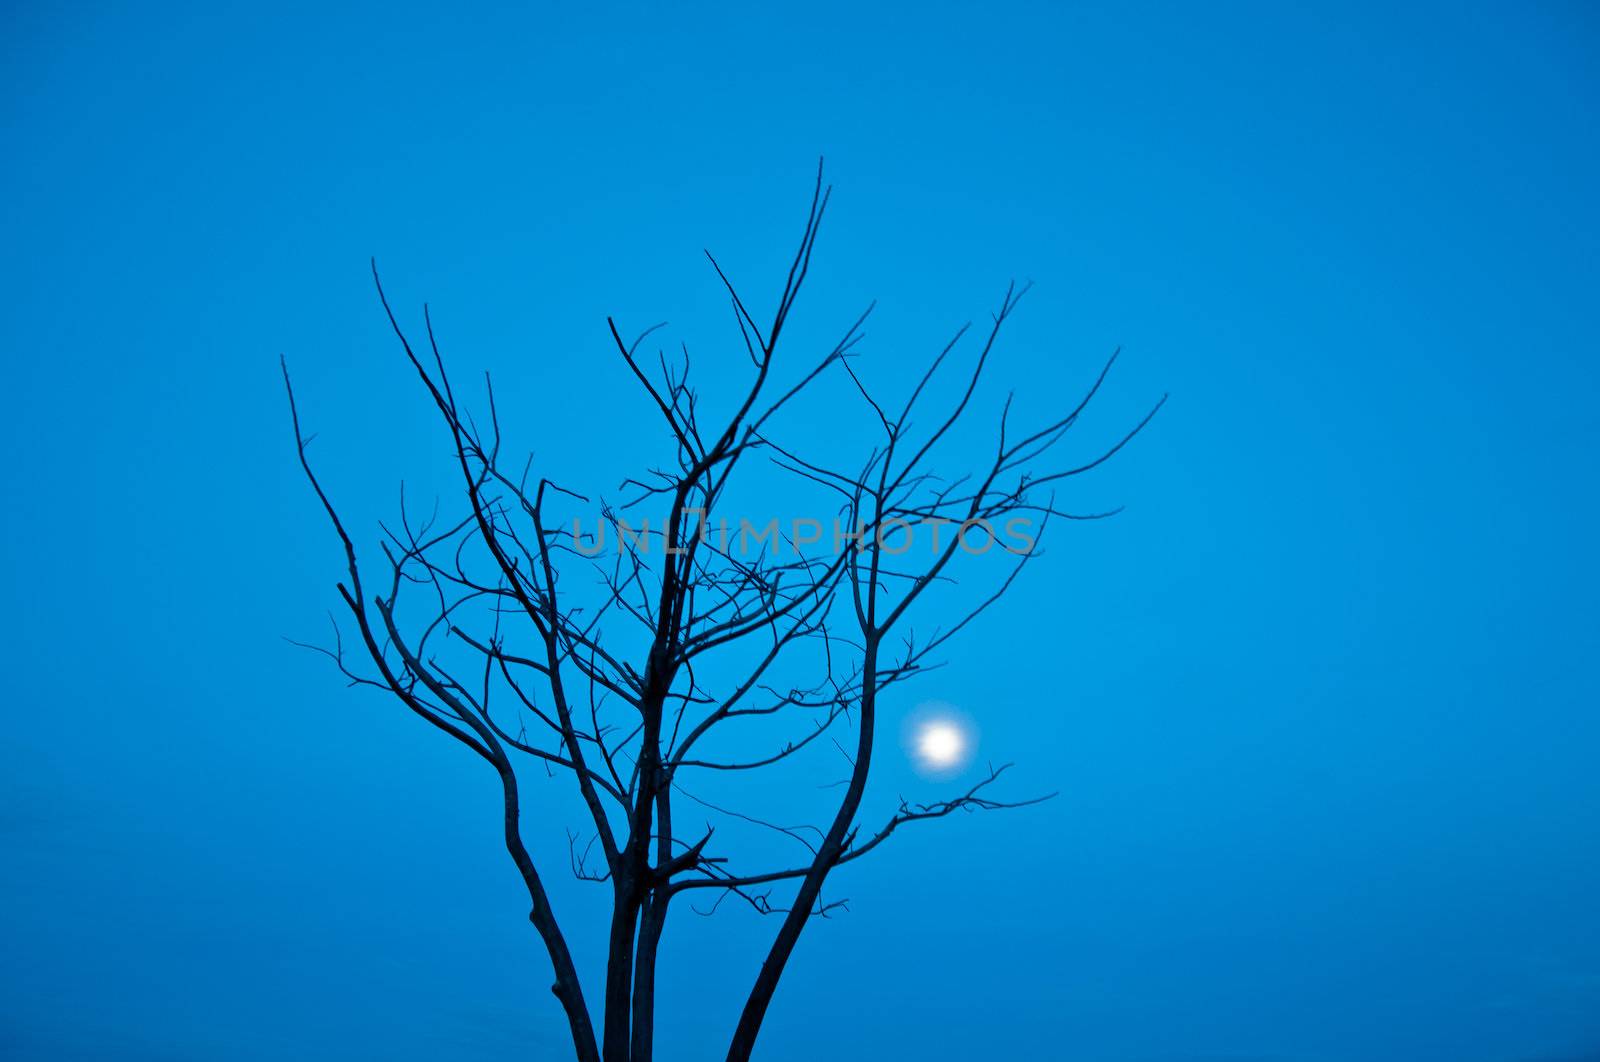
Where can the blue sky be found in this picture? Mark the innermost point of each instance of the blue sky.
(1320, 704)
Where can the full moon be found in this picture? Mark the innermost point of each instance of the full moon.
(940, 745)
(939, 739)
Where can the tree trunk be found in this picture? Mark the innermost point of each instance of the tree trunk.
(755, 1007)
(652, 920)
(619, 973)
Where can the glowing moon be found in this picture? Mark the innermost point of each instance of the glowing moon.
(940, 739)
(940, 745)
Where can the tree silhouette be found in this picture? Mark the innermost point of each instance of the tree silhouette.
(499, 644)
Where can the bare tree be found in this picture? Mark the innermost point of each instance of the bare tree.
(499, 644)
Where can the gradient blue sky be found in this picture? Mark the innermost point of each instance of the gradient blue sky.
(1321, 704)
